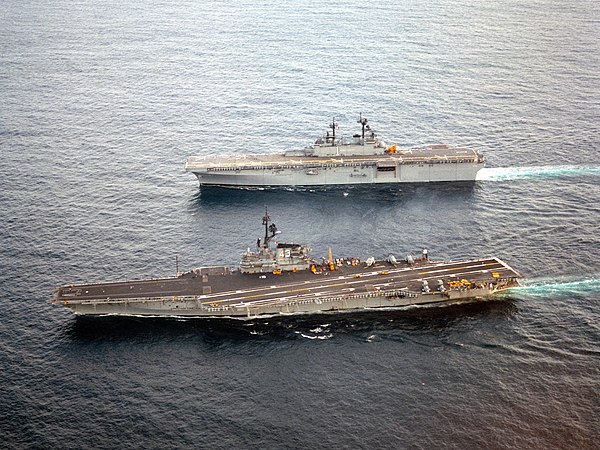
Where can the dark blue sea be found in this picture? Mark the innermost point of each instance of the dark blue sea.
(102, 101)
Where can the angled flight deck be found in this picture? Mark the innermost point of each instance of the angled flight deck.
(286, 281)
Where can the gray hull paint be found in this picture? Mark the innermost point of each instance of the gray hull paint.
(217, 291)
(182, 307)
(413, 173)
(335, 160)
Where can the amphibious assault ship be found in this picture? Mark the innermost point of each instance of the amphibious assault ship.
(284, 280)
(336, 160)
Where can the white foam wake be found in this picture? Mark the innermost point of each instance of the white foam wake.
(520, 173)
(544, 287)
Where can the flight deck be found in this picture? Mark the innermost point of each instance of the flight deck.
(221, 289)
(285, 280)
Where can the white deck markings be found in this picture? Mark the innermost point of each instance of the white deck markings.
(349, 281)
(296, 289)
(349, 277)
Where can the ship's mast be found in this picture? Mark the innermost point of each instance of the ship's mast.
(363, 122)
(268, 228)
(265, 222)
(332, 126)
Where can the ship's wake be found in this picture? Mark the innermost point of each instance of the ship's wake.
(561, 287)
(523, 173)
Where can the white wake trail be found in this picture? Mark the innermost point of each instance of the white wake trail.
(522, 173)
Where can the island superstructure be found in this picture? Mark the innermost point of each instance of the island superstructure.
(284, 280)
(335, 160)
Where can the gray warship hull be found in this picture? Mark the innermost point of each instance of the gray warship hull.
(279, 170)
(335, 161)
(221, 292)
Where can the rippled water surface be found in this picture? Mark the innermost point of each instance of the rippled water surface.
(103, 101)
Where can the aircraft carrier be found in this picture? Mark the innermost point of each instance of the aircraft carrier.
(336, 160)
(284, 280)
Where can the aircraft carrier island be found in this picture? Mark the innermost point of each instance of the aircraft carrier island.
(335, 160)
(284, 280)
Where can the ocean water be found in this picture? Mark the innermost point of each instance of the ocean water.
(100, 104)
